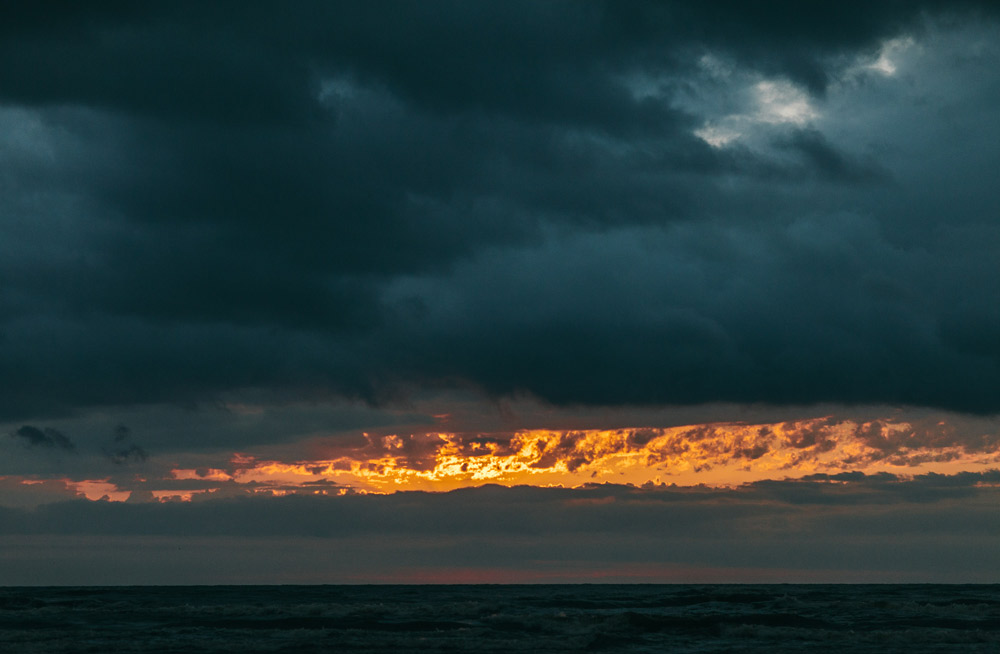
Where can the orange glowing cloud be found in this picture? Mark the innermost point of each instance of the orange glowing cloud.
(715, 454)
(99, 489)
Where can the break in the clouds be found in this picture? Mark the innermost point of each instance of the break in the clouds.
(597, 203)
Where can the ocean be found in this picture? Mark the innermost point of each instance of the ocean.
(502, 618)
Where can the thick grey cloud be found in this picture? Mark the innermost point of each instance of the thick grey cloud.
(841, 528)
(593, 203)
(490, 510)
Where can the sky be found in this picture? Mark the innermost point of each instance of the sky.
(449, 291)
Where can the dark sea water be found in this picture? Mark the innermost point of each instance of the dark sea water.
(588, 618)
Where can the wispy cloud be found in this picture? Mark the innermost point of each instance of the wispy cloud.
(45, 437)
(122, 450)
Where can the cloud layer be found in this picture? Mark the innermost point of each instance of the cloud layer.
(620, 203)
(828, 528)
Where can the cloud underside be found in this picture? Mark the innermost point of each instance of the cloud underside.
(594, 204)
(827, 528)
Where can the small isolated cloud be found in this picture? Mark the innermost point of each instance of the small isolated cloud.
(123, 450)
(47, 437)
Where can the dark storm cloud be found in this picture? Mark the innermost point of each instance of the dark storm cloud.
(357, 198)
(47, 437)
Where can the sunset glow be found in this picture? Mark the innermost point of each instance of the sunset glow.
(461, 287)
(719, 454)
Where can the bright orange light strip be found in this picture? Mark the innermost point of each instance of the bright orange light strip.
(721, 454)
(716, 454)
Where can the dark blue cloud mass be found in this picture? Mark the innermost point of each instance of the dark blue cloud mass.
(591, 203)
